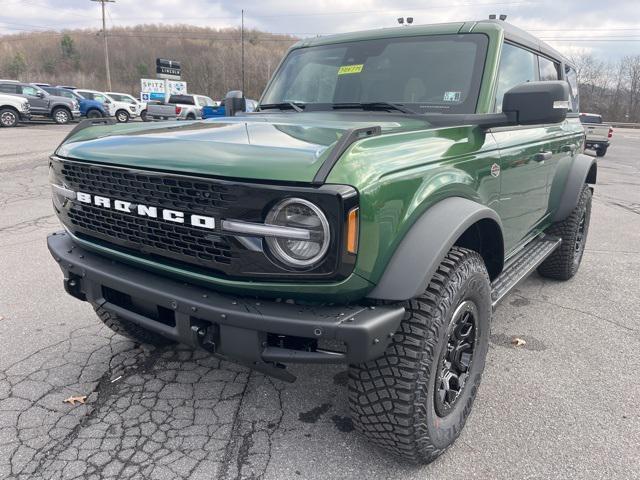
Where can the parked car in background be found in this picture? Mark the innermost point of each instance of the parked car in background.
(88, 108)
(598, 134)
(180, 107)
(60, 109)
(13, 110)
(220, 111)
(121, 110)
(135, 106)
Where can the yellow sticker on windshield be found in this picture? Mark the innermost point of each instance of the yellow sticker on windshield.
(346, 69)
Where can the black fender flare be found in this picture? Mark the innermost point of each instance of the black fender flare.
(583, 170)
(423, 248)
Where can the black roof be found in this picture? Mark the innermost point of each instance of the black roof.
(522, 37)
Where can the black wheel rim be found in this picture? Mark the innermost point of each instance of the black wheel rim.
(580, 238)
(456, 359)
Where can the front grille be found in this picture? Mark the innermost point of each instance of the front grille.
(163, 191)
(152, 235)
(179, 242)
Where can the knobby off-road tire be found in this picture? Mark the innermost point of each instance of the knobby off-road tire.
(396, 400)
(565, 261)
(131, 330)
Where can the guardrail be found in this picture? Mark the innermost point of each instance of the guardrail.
(624, 125)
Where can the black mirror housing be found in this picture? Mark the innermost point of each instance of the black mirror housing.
(535, 103)
(234, 102)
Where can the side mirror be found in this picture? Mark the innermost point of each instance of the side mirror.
(39, 94)
(535, 103)
(234, 102)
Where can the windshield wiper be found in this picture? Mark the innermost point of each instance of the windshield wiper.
(375, 106)
(282, 106)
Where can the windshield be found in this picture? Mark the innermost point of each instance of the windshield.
(435, 73)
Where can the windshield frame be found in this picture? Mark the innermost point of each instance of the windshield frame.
(469, 106)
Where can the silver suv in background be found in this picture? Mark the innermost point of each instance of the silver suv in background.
(60, 109)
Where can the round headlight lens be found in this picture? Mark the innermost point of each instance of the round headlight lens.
(299, 214)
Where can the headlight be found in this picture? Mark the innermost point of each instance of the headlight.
(299, 214)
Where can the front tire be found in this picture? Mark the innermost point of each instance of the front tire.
(8, 118)
(122, 116)
(94, 114)
(573, 230)
(131, 330)
(143, 116)
(61, 116)
(415, 399)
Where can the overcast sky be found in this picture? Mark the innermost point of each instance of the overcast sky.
(607, 28)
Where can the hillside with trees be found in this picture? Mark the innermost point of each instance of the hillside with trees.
(211, 63)
(211, 58)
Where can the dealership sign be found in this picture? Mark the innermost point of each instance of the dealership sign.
(154, 89)
(168, 69)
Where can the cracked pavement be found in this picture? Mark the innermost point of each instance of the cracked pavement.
(565, 405)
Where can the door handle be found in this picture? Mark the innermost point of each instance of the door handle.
(542, 156)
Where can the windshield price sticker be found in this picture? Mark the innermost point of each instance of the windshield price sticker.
(452, 96)
(347, 69)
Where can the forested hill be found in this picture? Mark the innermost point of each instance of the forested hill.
(210, 57)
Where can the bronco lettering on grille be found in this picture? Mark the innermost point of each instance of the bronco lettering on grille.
(174, 216)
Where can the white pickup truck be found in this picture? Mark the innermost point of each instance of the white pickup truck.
(180, 107)
(13, 110)
(598, 134)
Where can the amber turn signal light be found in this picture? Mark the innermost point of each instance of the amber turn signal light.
(352, 230)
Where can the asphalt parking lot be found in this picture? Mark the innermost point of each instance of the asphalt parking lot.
(565, 405)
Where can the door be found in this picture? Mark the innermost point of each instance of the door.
(524, 153)
(39, 104)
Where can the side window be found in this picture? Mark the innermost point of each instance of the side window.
(8, 88)
(549, 70)
(572, 79)
(98, 97)
(516, 66)
(29, 91)
(87, 95)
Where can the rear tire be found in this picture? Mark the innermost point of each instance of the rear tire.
(565, 261)
(415, 399)
(61, 116)
(143, 116)
(131, 330)
(191, 116)
(602, 151)
(122, 116)
(94, 114)
(8, 118)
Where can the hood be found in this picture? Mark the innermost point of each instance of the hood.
(278, 147)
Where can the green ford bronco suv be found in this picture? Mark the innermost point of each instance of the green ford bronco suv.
(389, 191)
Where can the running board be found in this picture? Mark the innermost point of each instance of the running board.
(531, 256)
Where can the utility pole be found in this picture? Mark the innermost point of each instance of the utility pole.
(106, 45)
(242, 48)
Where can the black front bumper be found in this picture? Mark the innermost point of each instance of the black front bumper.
(238, 328)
